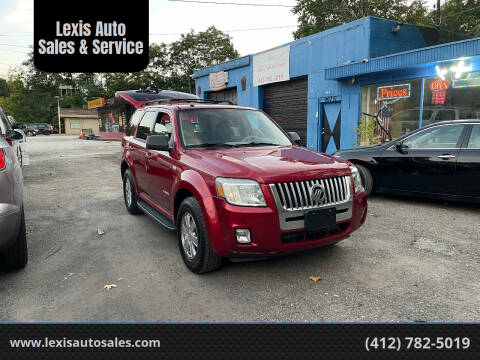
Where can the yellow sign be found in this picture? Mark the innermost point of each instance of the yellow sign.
(96, 103)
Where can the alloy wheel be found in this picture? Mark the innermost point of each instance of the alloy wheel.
(189, 236)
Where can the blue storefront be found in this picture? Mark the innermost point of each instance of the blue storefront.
(324, 85)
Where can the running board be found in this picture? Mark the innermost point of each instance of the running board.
(155, 215)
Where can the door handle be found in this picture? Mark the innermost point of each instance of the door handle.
(446, 157)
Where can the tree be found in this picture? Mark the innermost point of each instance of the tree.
(319, 15)
(4, 90)
(461, 16)
(194, 51)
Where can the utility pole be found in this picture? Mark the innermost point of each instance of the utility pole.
(58, 111)
(438, 13)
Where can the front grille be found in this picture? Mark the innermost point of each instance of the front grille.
(297, 195)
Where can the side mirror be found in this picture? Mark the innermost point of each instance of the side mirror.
(294, 136)
(157, 142)
(400, 148)
(14, 135)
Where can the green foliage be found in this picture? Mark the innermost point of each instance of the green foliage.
(194, 51)
(319, 15)
(461, 16)
(4, 90)
(366, 132)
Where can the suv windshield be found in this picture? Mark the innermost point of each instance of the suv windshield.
(206, 128)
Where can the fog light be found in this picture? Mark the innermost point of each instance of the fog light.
(243, 236)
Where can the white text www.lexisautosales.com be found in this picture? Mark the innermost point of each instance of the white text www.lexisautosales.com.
(84, 343)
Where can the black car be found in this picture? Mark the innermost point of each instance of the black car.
(26, 128)
(441, 160)
(43, 128)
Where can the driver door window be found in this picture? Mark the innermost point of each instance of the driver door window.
(145, 127)
(440, 137)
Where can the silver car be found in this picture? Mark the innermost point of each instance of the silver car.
(13, 241)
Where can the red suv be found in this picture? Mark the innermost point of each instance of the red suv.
(234, 184)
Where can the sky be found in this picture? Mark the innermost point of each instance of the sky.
(168, 19)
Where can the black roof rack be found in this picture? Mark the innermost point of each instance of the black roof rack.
(198, 101)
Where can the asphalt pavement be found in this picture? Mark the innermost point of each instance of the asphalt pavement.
(413, 260)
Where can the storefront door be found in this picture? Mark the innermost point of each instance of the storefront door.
(330, 126)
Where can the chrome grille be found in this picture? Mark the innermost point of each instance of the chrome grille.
(297, 195)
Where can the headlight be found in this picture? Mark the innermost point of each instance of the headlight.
(241, 192)
(357, 179)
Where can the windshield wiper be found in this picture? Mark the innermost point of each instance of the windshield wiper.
(257, 143)
(208, 145)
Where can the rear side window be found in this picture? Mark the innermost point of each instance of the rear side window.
(474, 142)
(145, 127)
(133, 123)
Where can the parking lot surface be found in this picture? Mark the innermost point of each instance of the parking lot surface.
(413, 260)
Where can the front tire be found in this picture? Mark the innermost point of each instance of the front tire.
(130, 194)
(193, 241)
(367, 178)
(16, 257)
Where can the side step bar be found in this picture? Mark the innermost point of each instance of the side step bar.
(155, 215)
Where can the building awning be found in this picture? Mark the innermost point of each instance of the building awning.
(432, 54)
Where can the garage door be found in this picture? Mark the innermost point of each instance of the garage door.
(224, 95)
(286, 103)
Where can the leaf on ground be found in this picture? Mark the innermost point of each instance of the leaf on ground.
(70, 274)
(110, 286)
(419, 321)
(315, 278)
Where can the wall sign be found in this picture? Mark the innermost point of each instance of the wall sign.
(393, 92)
(271, 66)
(218, 81)
(96, 103)
(439, 85)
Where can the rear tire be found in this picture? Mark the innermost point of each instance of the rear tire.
(16, 257)
(367, 178)
(130, 194)
(201, 258)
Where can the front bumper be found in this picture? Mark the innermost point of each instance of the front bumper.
(10, 216)
(265, 224)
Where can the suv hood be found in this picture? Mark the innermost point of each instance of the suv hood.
(267, 164)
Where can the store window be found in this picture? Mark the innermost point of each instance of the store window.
(451, 99)
(75, 124)
(396, 105)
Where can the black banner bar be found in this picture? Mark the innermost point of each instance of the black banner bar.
(240, 341)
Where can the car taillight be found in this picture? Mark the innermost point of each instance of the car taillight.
(2, 159)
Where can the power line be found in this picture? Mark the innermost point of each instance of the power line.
(233, 3)
(20, 46)
(461, 12)
(237, 30)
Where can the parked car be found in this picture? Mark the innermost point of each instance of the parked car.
(13, 241)
(43, 128)
(15, 137)
(441, 160)
(26, 128)
(234, 184)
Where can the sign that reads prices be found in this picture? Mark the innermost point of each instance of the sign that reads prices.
(271, 66)
(393, 92)
(218, 81)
